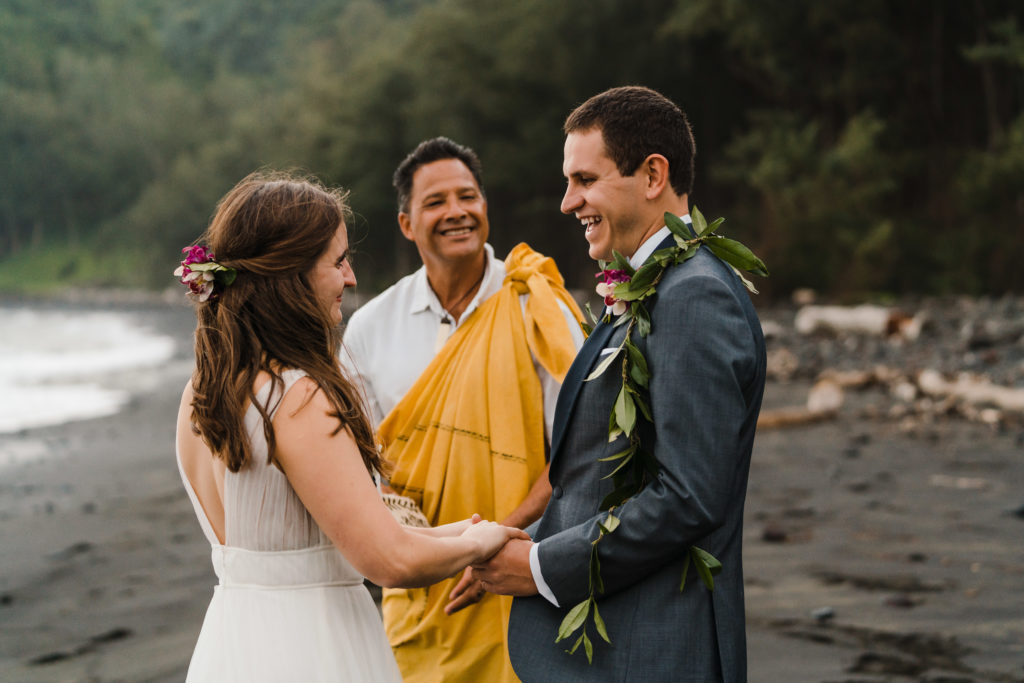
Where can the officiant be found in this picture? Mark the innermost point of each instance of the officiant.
(461, 363)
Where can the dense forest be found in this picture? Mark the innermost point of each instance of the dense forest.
(865, 148)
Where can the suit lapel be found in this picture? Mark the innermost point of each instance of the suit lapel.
(581, 367)
(578, 372)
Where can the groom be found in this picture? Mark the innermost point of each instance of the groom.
(629, 159)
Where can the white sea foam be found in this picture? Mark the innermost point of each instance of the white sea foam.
(58, 366)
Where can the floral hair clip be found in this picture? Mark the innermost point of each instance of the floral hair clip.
(202, 275)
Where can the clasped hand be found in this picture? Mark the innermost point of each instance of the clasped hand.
(505, 572)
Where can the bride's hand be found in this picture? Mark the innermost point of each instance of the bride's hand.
(455, 528)
(491, 536)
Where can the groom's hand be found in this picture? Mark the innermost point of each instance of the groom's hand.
(467, 591)
(508, 572)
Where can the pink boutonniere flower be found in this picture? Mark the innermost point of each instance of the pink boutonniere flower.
(606, 289)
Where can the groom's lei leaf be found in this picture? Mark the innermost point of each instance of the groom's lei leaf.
(635, 466)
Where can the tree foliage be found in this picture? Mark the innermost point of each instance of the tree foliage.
(862, 147)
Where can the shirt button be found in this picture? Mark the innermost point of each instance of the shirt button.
(556, 492)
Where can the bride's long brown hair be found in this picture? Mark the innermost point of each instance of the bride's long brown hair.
(271, 228)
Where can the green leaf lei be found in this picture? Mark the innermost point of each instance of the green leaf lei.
(636, 465)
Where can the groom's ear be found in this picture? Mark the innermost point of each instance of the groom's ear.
(655, 170)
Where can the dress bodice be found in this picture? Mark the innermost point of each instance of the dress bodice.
(270, 537)
(261, 510)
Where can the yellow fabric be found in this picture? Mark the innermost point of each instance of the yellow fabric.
(469, 437)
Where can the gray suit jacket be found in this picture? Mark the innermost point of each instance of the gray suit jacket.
(707, 359)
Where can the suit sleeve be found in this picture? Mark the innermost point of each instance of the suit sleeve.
(702, 356)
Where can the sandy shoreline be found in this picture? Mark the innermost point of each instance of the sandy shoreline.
(104, 574)
(905, 542)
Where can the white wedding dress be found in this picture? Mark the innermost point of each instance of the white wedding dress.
(288, 606)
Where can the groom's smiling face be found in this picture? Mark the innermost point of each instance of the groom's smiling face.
(609, 205)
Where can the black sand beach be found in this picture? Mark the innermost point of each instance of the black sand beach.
(883, 544)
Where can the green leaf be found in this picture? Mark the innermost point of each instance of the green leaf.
(643, 320)
(663, 257)
(681, 242)
(644, 410)
(573, 620)
(710, 561)
(638, 370)
(226, 277)
(677, 226)
(712, 226)
(627, 292)
(625, 411)
(746, 283)
(604, 364)
(593, 318)
(598, 581)
(622, 464)
(611, 522)
(646, 276)
(688, 254)
(599, 624)
(613, 432)
(738, 255)
(620, 454)
(618, 496)
(639, 376)
(589, 648)
(576, 644)
(699, 224)
(702, 567)
(686, 570)
(620, 262)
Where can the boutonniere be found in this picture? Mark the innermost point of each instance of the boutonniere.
(624, 290)
(606, 288)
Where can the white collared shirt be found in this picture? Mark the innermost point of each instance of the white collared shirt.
(642, 253)
(391, 339)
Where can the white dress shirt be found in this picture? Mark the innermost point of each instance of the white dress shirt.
(391, 340)
(636, 260)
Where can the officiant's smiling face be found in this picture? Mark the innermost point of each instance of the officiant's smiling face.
(447, 214)
(609, 205)
(332, 273)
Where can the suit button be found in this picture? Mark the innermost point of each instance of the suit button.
(556, 492)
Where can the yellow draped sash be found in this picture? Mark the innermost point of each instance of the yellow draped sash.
(469, 437)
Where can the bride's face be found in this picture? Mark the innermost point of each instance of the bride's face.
(333, 273)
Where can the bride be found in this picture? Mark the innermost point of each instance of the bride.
(278, 457)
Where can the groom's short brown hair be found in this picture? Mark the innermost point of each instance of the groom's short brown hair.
(636, 122)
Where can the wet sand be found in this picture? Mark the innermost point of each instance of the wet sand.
(875, 549)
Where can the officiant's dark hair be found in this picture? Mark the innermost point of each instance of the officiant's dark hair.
(271, 228)
(636, 122)
(427, 152)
